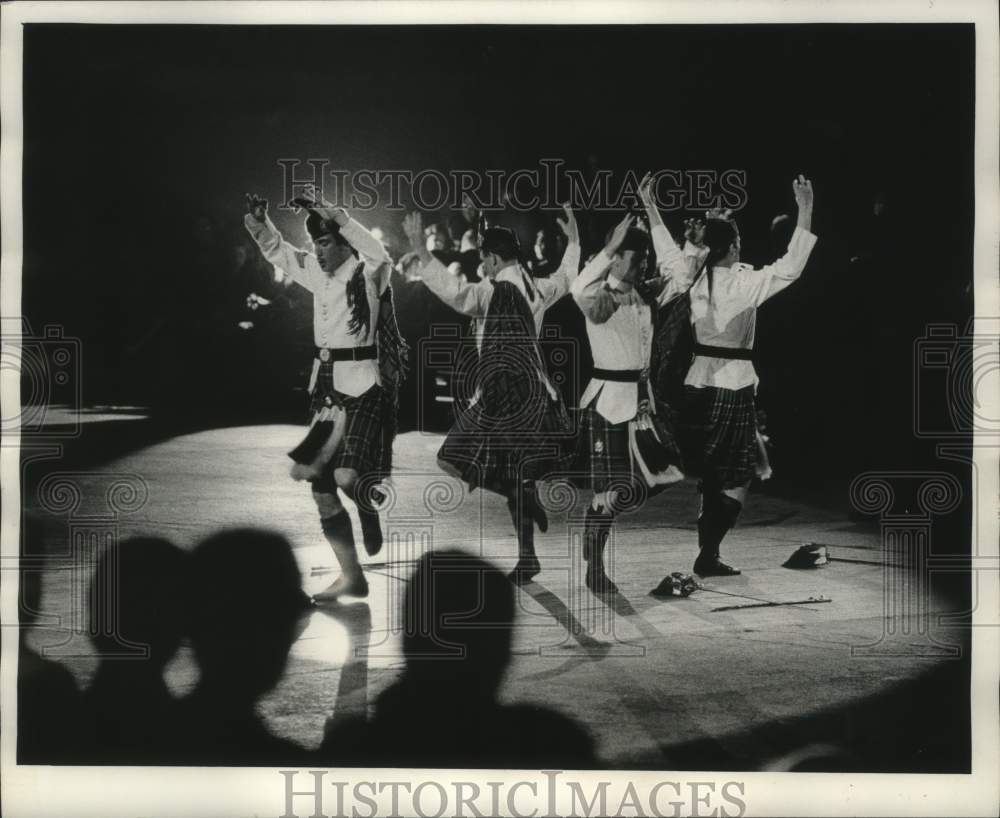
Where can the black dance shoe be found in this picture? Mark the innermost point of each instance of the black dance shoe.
(715, 568)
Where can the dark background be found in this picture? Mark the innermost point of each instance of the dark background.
(140, 142)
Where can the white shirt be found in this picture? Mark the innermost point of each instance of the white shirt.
(331, 313)
(474, 299)
(620, 326)
(730, 318)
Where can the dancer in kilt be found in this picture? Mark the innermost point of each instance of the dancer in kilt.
(514, 428)
(627, 446)
(355, 377)
(719, 426)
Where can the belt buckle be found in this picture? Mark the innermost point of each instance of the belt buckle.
(644, 375)
(324, 355)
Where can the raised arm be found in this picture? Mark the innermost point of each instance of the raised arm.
(596, 302)
(557, 285)
(768, 281)
(371, 250)
(671, 262)
(298, 265)
(459, 294)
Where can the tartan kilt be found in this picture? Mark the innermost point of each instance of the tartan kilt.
(604, 460)
(367, 443)
(719, 435)
(494, 456)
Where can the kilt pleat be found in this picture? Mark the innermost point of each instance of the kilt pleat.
(367, 443)
(493, 455)
(719, 435)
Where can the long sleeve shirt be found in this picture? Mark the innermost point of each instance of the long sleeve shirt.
(729, 318)
(620, 325)
(473, 299)
(331, 313)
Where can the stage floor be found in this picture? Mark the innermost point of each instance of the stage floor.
(664, 684)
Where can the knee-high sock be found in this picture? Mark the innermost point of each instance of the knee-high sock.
(518, 504)
(718, 514)
(596, 530)
(339, 533)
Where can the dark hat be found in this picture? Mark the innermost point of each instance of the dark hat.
(317, 226)
(500, 240)
(636, 239)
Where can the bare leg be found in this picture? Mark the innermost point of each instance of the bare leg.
(337, 529)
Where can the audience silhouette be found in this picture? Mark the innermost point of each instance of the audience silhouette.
(445, 710)
(47, 696)
(137, 608)
(246, 604)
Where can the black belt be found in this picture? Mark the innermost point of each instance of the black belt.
(733, 353)
(369, 353)
(621, 375)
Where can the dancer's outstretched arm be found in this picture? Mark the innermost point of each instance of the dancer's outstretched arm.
(299, 265)
(459, 294)
(673, 265)
(557, 285)
(595, 300)
(760, 285)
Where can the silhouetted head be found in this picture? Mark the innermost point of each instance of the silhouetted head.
(630, 260)
(722, 238)
(138, 596)
(459, 612)
(499, 248)
(246, 599)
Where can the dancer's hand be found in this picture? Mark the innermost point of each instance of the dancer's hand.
(803, 189)
(569, 226)
(413, 226)
(471, 213)
(694, 231)
(326, 209)
(646, 191)
(618, 234)
(648, 201)
(256, 206)
(719, 214)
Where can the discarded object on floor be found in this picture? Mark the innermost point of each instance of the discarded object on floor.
(676, 584)
(811, 601)
(810, 555)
